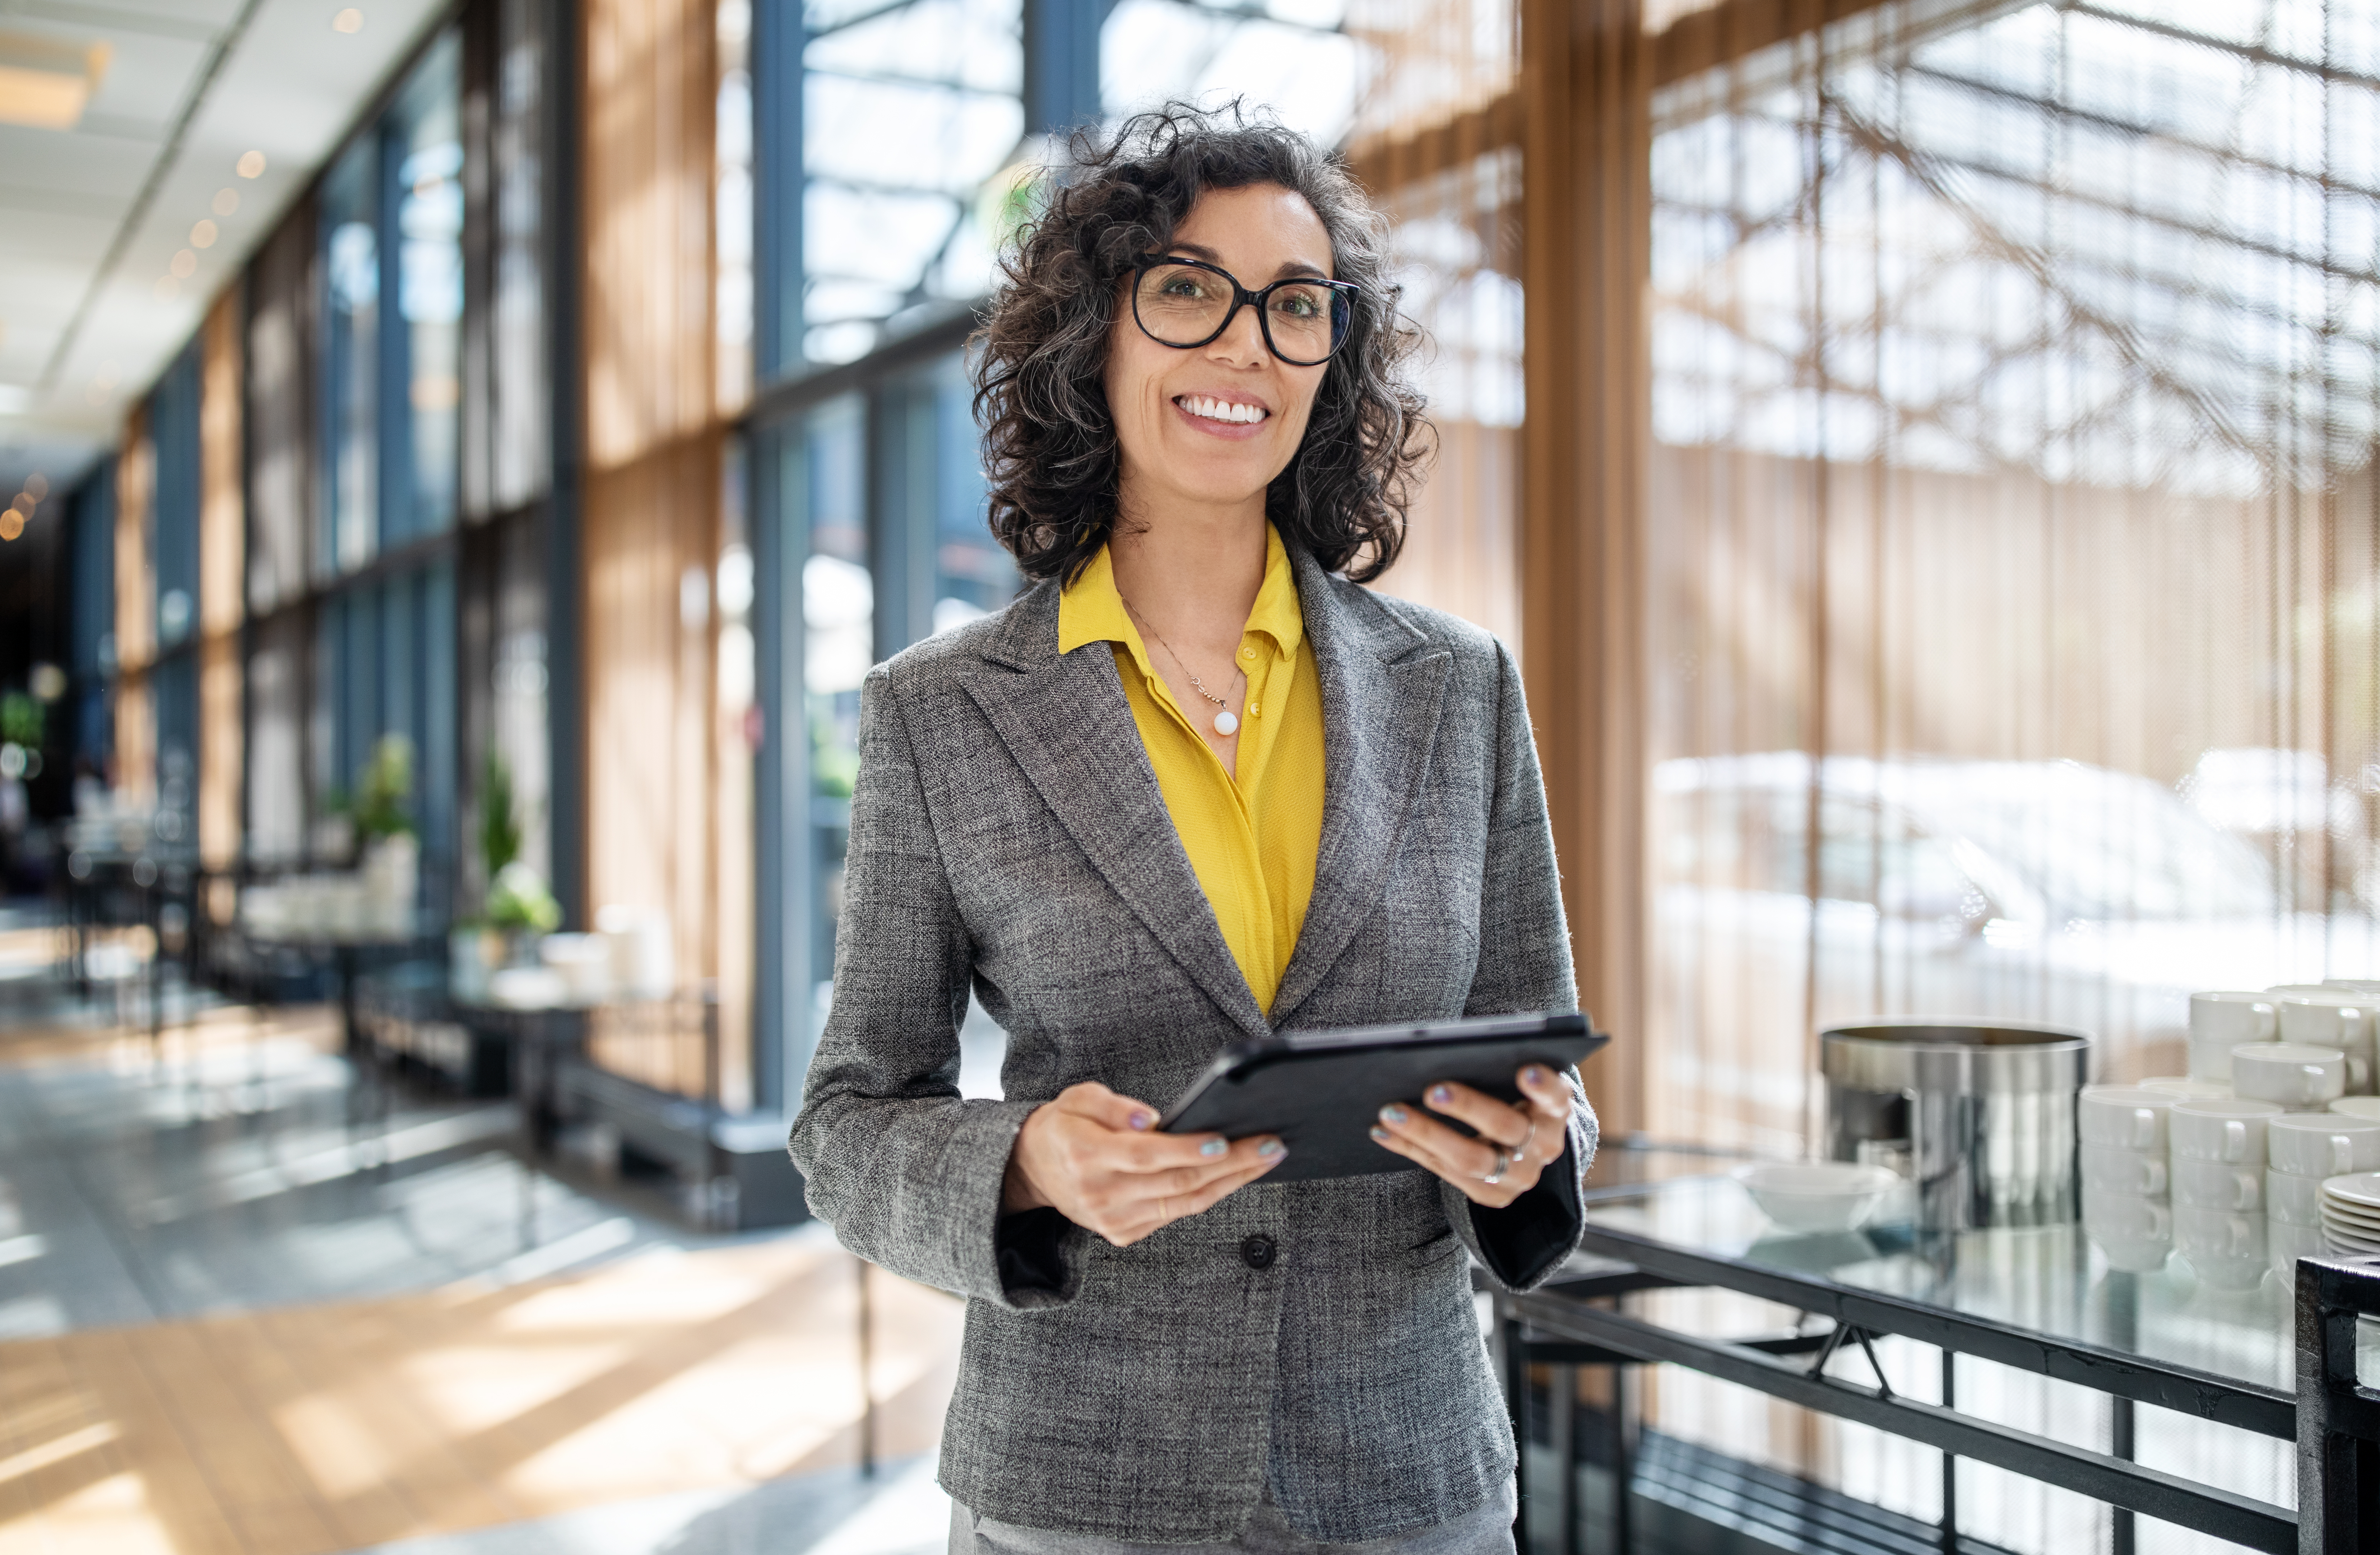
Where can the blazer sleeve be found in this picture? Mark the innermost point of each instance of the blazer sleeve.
(909, 1175)
(1524, 964)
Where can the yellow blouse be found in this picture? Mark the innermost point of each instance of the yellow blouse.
(1251, 837)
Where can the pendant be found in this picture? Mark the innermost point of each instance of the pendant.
(1224, 723)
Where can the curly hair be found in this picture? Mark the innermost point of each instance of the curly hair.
(1050, 455)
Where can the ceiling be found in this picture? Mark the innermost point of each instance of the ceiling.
(104, 268)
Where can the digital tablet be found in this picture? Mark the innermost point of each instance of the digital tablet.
(1321, 1091)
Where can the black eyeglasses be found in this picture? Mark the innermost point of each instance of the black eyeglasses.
(1185, 303)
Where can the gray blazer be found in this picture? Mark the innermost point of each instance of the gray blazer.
(1008, 836)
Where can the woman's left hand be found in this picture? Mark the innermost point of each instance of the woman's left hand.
(1519, 1137)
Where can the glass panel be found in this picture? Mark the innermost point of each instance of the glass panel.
(351, 278)
(2014, 526)
(425, 149)
(276, 774)
(973, 573)
(732, 218)
(838, 646)
(519, 442)
(278, 493)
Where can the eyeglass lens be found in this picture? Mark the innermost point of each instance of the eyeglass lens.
(1182, 305)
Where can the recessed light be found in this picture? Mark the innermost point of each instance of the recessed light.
(45, 82)
(166, 286)
(37, 485)
(348, 20)
(251, 164)
(183, 264)
(203, 234)
(226, 201)
(12, 524)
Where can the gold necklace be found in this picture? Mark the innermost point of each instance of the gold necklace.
(1225, 723)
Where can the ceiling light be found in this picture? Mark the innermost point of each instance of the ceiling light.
(348, 20)
(46, 83)
(12, 524)
(251, 164)
(182, 266)
(203, 234)
(37, 485)
(226, 201)
(167, 287)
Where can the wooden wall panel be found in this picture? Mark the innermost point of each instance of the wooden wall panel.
(222, 562)
(653, 498)
(136, 609)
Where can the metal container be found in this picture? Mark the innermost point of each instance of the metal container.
(1979, 1118)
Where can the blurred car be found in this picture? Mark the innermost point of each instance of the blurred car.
(2037, 891)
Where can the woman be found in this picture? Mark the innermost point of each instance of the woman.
(1193, 786)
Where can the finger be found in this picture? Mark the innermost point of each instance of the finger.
(1464, 1157)
(1549, 1092)
(1494, 1121)
(1181, 1180)
(1094, 1101)
(1516, 1179)
(1198, 1201)
(1171, 1152)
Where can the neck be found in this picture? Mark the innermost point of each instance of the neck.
(1192, 573)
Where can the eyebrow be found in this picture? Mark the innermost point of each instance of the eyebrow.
(1288, 267)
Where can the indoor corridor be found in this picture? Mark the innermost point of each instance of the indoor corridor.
(253, 1302)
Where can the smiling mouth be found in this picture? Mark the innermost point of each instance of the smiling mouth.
(1210, 410)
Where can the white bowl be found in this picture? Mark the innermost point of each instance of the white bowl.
(1817, 1196)
(2358, 1107)
(2188, 1088)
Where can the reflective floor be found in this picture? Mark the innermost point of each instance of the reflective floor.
(248, 1305)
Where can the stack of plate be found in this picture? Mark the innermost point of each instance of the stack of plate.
(2351, 1213)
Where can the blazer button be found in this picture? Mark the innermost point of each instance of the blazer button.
(1258, 1251)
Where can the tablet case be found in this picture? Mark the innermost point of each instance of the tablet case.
(1321, 1091)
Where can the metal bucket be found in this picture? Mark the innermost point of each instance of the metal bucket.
(1979, 1118)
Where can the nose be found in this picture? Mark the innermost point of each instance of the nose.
(1242, 342)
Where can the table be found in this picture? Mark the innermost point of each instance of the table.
(2040, 1300)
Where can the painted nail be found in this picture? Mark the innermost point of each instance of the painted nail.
(1439, 1095)
(1271, 1149)
(1139, 1120)
(1392, 1113)
(1379, 1133)
(1214, 1147)
(1533, 1076)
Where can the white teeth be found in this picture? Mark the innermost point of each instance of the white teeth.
(1220, 410)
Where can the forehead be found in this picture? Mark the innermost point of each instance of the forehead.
(1260, 230)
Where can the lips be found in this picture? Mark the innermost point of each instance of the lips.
(1231, 412)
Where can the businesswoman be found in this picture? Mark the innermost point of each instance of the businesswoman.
(1195, 785)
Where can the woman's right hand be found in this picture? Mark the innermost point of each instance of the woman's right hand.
(1096, 1158)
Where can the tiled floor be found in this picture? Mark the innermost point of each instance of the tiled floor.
(240, 1314)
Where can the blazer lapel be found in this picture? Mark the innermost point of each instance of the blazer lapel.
(1064, 718)
(1381, 692)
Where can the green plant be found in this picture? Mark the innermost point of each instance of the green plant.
(20, 721)
(500, 833)
(517, 898)
(385, 789)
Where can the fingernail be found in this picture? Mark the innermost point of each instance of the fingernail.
(1214, 1147)
(1139, 1120)
(1534, 1076)
(1439, 1095)
(1379, 1133)
(1392, 1114)
(1271, 1148)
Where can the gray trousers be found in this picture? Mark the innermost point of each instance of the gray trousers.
(1487, 1530)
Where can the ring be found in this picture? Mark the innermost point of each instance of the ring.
(1527, 1139)
(1496, 1172)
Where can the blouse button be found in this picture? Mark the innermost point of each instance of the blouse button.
(1258, 1251)
(1247, 652)
(1253, 710)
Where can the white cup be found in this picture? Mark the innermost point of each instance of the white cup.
(2358, 1107)
(2228, 1249)
(2332, 1017)
(2284, 1245)
(2136, 1173)
(2291, 1199)
(2184, 1089)
(2135, 1234)
(2232, 1018)
(2368, 986)
(2123, 1117)
(2322, 1144)
(2232, 1131)
(2296, 1075)
(2217, 1185)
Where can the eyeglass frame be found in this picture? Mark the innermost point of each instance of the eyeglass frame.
(1241, 298)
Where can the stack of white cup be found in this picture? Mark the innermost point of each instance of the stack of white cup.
(2218, 1187)
(2127, 1208)
(2331, 1017)
(2300, 1150)
(2219, 1022)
